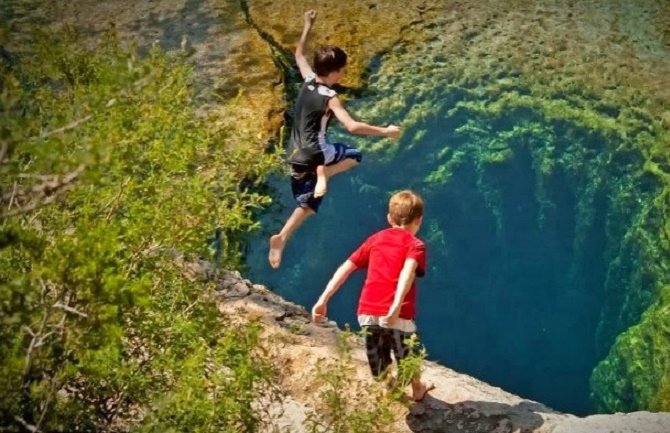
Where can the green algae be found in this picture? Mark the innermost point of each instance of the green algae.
(608, 151)
(592, 108)
(636, 374)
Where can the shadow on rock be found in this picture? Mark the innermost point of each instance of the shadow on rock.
(434, 415)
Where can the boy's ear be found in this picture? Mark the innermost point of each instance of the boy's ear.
(388, 218)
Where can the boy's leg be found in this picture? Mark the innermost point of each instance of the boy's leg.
(401, 350)
(302, 187)
(344, 165)
(378, 350)
(345, 158)
(420, 388)
(329, 171)
(278, 241)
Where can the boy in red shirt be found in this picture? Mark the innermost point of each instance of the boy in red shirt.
(386, 307)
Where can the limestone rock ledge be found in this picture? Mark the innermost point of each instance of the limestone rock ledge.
(459, 403)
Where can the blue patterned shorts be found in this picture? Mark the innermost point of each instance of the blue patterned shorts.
(304, 182)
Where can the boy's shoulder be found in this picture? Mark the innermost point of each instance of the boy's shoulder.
(400, 233)
(312, 85)
(416, 241)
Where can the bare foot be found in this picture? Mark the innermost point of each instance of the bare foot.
(420, 391)
(321, 187)
(276, 249)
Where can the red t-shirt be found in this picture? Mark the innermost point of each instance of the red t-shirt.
(384, 254)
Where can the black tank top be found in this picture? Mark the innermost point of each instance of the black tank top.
(311, 120)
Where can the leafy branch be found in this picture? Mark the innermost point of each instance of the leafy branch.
(22, 200)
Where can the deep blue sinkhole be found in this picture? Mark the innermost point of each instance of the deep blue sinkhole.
(513, 292)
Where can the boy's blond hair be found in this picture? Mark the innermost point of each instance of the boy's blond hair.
(405, 207)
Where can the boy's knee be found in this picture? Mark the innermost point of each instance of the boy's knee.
(356, 155)
(308, 210)
(344, 152)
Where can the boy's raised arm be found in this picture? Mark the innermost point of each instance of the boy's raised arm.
(338, 278)
(360, 128)
(303, 65)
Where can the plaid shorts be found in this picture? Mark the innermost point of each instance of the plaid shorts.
(380, 342)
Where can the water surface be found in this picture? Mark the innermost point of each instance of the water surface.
(524, 212)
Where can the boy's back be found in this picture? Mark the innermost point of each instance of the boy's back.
(311, 119)
(386, 307)
(314, 160)
(384, 255)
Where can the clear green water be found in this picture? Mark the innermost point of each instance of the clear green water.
(522, 217)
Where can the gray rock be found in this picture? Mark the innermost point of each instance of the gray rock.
(634, 422)
(231, 285)
(234, 289)
(275, 310)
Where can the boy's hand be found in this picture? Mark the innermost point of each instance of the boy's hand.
(390, 319)
(393, 131)
(319, 312)
(310, 16)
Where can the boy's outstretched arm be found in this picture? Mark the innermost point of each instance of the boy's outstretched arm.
(404, 283)
(300, 59)
(338, 278)
(360, 128)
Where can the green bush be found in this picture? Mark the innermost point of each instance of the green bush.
(106, 177)
(348, 404)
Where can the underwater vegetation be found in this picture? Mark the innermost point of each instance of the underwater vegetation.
(537, 129)
(637, 368)
(588, 183)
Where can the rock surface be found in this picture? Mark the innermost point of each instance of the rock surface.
(636, 422)
(459, 403)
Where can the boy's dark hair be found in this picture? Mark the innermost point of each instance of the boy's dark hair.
(405, 207)
(329, 58)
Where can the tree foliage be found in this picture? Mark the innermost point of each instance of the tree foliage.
(106, 179)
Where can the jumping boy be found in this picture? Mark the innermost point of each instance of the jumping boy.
(313, 159)
(386, 307)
